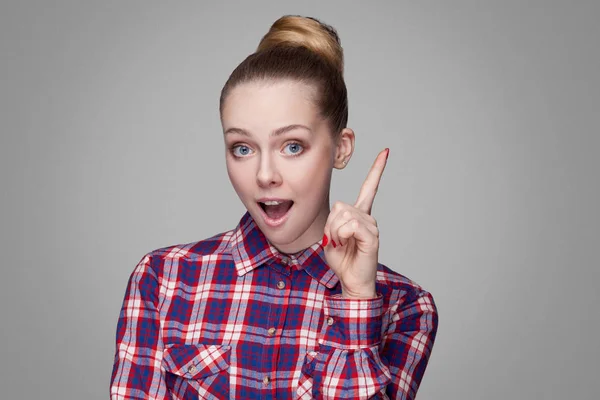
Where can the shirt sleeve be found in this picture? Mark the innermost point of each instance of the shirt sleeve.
(137, 372)
(356, 360)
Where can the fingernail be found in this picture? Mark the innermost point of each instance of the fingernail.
(333, 243)
(325, 240)
(388, 153)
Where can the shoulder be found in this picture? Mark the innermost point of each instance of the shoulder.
(390, 278)
(401, 289)
(155, 261)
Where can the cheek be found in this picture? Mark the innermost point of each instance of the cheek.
(240, 177)
(312, 178)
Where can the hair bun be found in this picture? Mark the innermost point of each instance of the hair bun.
(295, 30)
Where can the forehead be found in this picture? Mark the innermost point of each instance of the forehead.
(260, 106)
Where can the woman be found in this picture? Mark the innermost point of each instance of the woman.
(293, 302)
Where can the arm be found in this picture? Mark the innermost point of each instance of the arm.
(354, 361)
(137, 370)
(408, 342)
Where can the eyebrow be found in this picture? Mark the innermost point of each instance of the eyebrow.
(276, 132)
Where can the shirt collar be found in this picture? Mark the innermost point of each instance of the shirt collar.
(251, 249)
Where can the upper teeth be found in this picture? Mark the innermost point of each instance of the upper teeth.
(273, 203)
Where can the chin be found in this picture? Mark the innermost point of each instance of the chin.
(281, 235)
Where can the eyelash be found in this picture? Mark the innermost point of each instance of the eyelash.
(232, 149)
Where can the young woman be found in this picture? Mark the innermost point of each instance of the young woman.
(293, 302)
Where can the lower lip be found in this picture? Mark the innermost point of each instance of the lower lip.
(273, 223)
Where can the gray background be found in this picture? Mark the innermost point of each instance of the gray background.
(111, 147)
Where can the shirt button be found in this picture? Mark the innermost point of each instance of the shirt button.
(280, 284)
(192, 369)
(284, 261)
(330, 321)
(272, 331)
(266, 380)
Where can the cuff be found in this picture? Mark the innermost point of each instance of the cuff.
(352, 323)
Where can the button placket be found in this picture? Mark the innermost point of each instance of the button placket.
(192, 369)
(275, 321)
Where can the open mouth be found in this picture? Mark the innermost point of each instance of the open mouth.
(275, 211)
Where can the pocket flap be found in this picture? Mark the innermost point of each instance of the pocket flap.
(196, 360)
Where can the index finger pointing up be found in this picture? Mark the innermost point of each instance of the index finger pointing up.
(371, 184)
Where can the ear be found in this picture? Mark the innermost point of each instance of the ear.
(344, 148)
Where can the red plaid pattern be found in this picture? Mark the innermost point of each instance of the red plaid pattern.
(230, 317)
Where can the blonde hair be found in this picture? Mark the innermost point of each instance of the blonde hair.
(302, 49)
(293, 30)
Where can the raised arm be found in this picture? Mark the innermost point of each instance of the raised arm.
(355, 361)
(408, 342)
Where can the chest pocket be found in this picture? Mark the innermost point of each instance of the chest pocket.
(197, 371)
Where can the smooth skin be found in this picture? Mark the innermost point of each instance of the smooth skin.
(296, 163)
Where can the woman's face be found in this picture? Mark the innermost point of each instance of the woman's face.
(278, 147)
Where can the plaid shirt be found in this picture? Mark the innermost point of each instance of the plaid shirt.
(232, 317)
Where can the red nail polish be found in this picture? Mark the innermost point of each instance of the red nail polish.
(325, 240)
(333, 243)
(388, 154)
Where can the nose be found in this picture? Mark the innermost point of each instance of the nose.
(268, 175)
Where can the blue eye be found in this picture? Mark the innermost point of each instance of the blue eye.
(243, 150)
(295, 148)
